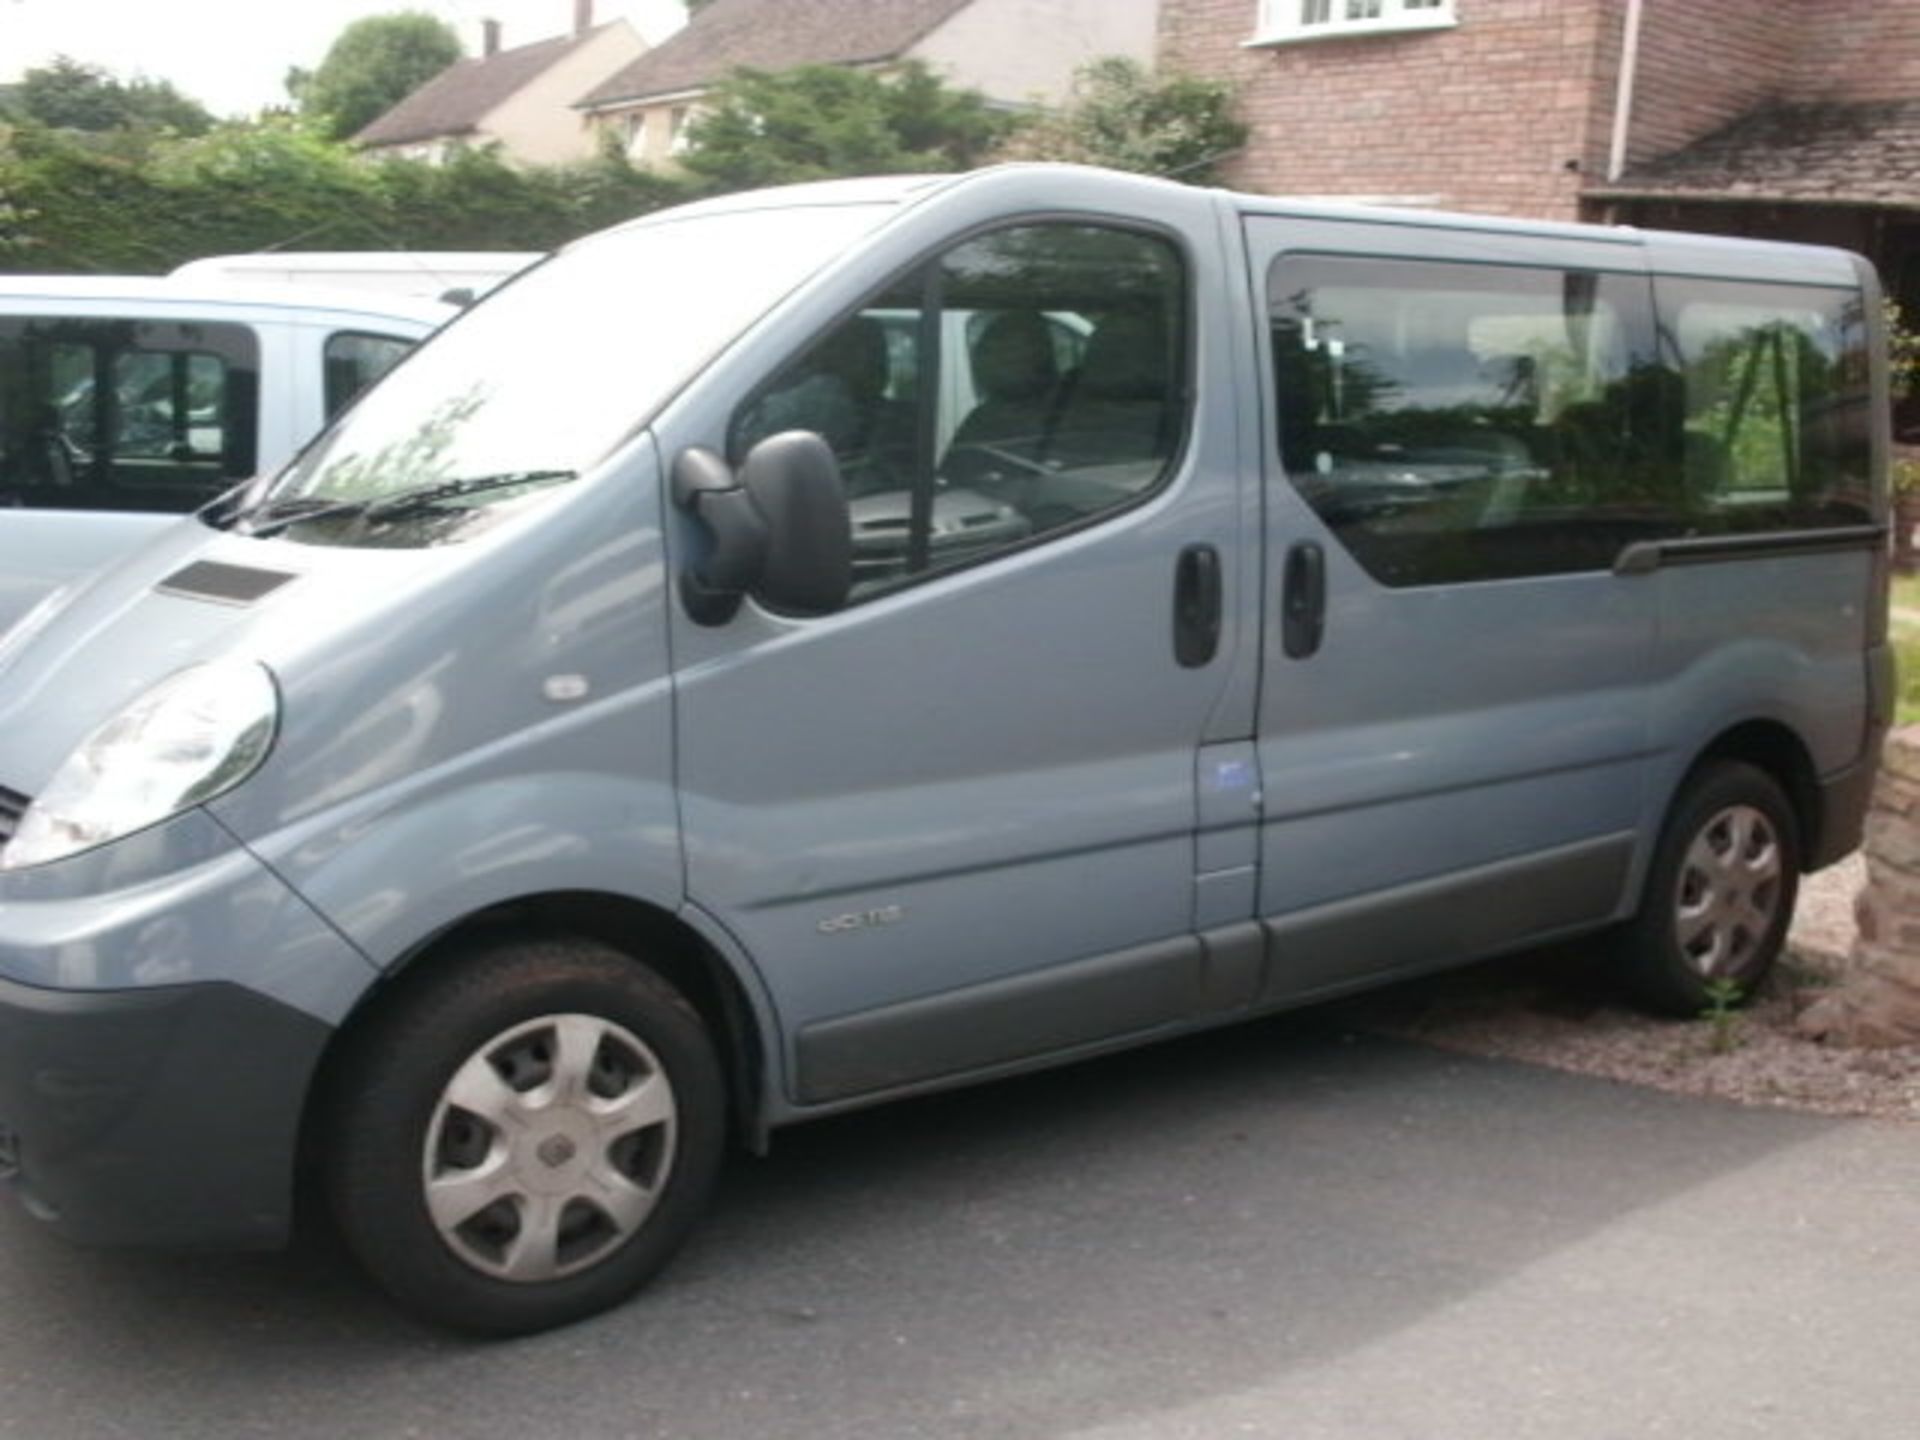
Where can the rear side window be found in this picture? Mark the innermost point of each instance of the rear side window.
(1456, 422)
(1461, 422)
(1025, 382)
(1775, 425)
(352, 361)
(124, 414)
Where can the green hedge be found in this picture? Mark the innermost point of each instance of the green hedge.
(132, 203)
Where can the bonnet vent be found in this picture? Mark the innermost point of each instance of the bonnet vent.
(228, 584)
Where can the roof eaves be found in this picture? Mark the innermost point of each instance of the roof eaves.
(1716, 195)
(661, 97)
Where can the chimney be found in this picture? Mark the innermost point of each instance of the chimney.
(489, 37)
(582, 16)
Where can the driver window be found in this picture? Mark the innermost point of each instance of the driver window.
(1029, 381)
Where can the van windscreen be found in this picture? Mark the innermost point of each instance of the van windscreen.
(554, 370)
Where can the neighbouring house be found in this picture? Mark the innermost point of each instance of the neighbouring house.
(519, 99)
(1015, 52)
(1788, 121)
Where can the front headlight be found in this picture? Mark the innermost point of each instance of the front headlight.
(195, 735)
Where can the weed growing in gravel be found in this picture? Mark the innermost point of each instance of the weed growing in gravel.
(1722, 1016)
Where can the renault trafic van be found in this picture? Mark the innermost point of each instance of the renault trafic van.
(645, 717)
(126, 401)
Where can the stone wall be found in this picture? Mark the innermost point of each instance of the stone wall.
(1878, 1002)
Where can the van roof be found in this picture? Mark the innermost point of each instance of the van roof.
(235, 294)
(1682, 250)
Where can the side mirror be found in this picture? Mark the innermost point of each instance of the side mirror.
(779, 531)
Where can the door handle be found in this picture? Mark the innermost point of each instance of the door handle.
(1196, 606)
(1303, 600)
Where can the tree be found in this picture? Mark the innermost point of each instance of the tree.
(373, 65)
(816, 122)
(68, 95)
(1125, 117)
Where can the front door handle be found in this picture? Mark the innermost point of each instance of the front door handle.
(1303, 600)
(1196, 606)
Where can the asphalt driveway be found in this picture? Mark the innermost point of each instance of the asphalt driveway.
(1281, 1230)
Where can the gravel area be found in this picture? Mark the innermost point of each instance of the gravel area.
(1555, 1008)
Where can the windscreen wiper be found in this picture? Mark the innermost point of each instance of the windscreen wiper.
(276, 515)
(427, 497)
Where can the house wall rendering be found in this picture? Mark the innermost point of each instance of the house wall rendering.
(1021, 52)
(537, 125)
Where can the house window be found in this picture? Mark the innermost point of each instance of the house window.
(1284, 21)
(677, 129)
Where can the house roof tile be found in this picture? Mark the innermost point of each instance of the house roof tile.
(1859, 154)
(456, 100)
(773, 35)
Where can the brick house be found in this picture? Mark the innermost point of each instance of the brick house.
(1787, 120)
(1015, 52)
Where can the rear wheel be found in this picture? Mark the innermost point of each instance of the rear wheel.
(1720, 892)
(525, 1135)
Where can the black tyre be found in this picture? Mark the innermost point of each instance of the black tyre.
(1720, 892)
(523, 1136)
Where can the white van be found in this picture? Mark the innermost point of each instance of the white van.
(126, 401)
(436, 274)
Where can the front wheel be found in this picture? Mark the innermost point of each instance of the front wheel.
(525, 1135)
(1719, 894)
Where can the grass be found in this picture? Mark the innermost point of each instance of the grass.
(1906, 659)
(1906, 592)
(1906, 650)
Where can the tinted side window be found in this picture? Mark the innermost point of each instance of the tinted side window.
(124, 414)
(1458, 422)
(1776, 420)
(353, 361)
(1025, 382)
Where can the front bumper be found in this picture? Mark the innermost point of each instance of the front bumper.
(157, 1117)
(164, 1003)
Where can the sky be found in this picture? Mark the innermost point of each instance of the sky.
(232, 55)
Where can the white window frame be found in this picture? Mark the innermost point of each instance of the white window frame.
(1281, 22)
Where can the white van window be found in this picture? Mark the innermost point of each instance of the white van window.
(1027, 381)
(102, 414)
(352, 361)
